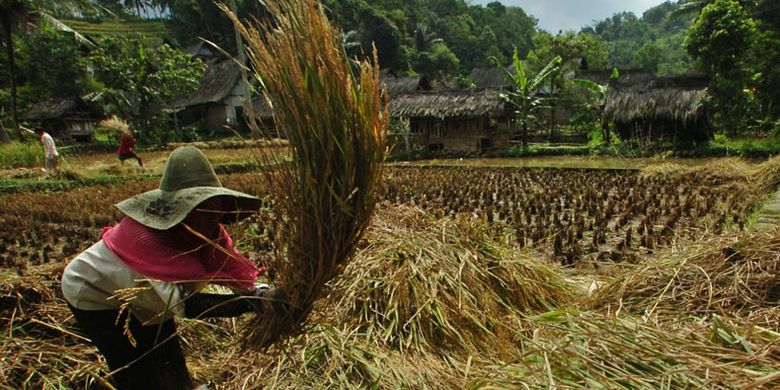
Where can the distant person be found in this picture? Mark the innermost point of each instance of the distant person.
(127, 147)
(52, 160)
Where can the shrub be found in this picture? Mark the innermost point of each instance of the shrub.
(21, 155)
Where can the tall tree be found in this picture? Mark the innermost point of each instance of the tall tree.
(721, 40)
(53, 65)
(15, 14)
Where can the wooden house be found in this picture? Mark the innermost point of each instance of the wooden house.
(670, 108)
(73, 118)
(455, 121)
(218, 102)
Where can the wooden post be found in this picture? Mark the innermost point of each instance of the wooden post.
(248, 108)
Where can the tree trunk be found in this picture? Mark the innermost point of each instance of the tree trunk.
(524, 127)
(552, 110)
(9, 44)
(4, 139)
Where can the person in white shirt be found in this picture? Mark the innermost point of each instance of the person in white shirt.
(125, 290)
(49, 149)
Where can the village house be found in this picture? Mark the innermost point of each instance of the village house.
(218, 102)
(394, 84)
(455, 120)
(667, 109)
(69, 118)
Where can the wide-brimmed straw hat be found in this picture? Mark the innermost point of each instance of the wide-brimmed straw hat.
(188, 180)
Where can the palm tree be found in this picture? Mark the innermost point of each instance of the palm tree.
(15, 14)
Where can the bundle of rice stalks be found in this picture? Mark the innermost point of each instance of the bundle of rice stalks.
(443, 286)
(738, 274)
(114, 125)
(726, 168)
(575, 350)
(37, 347)
(336, 123)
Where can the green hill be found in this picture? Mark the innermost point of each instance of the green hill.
(151, 29)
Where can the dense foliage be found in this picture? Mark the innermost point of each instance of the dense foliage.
(735, 43)
(139, 81)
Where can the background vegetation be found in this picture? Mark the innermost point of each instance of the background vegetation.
(131, 53)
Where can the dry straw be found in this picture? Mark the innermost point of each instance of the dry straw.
(115, 125)
(442, 285)
(38, 349)
(737, 274)
(333, 113)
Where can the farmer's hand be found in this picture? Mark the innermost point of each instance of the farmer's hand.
(274, 298)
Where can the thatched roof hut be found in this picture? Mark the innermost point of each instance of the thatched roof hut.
(455, 120)
(66, 117)
(217, 83)
(448, 104)
(395, 84)
(670, 106)
(490, 78)
(218, 102)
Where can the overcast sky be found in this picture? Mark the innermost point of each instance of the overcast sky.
(564, 15)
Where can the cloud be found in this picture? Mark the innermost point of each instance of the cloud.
(555, 15)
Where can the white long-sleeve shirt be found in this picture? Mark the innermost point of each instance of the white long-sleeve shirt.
(48, 146)
(96, 278)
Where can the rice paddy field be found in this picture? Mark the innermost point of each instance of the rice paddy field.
(471, 274)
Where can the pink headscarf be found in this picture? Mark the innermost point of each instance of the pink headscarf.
(154, 254)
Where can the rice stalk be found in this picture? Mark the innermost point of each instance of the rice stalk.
(335, 122)
(39, 349)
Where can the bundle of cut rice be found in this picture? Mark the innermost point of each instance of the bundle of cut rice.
(332, 112)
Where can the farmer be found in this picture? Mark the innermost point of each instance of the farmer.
(126, 147)
(49, 149)
(125, 290)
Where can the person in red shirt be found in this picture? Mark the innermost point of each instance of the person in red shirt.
(126, 148)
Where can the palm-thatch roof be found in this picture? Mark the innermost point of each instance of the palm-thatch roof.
(395, 84)
(59, 108)
(490, 78)
(447, 104)
(215, 85)
(626, 77)
(678, 99)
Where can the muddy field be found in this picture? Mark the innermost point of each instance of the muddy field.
(569, 215)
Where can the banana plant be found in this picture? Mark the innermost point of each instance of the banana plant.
(524, 97)
(600, 92)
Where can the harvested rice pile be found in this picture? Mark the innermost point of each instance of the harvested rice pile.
(570, 350)
(442, 285)
(397, 318)
(37, 349)
(737, 275)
